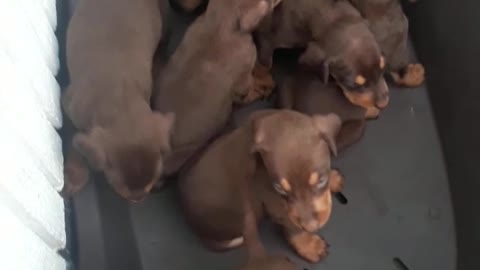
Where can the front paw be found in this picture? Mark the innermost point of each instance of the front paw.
(309, 246)
(372, 113)
(336, 181)
(76, 177)
(413, 76)
(262, 85)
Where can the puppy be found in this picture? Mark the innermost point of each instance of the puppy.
(286, 157)
(210, 69)
(110, 47)
(257, 257)
(389, 25)
(303, 91)
(338, 42)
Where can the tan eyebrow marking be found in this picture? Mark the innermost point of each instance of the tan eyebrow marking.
(285, 185)
(360, 80)
(313, 178)
(382, 62)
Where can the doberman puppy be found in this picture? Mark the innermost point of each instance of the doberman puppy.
(257, 257)
(110, 47)
(210, 70)
(338, 43)
(303, 91)
(286, 155)
(389, 25)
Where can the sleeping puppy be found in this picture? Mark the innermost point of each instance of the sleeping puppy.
(303, 91)
(210, 69)
(286, 155)
(257, 257)
(338, 43)
(390, 27)
(110, 47)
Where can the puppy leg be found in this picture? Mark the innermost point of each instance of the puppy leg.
(262, 85)
(336, 181)
(412, 75)
(76, 172)
(265, 52)
(308, 245)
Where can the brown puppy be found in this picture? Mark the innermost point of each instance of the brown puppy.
(110, 48)
(390, 27)
(337, 41)
(257, 257)
(210, 69)
(303, 91)
(286, 155)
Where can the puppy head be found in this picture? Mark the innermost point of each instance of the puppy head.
(131, 158)
(295, 149)
(251, 12)
(352, 57)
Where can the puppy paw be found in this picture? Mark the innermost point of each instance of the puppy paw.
(372, 113)
(336, 181)
(412, 76)
(309, 246)
(76, 177)
(262, 86)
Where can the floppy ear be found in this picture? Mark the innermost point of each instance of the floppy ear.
(90, 147)
(259, 135)
(275, 3)
(328, 126)
(252, 17)
(315, 58)
(164, 124)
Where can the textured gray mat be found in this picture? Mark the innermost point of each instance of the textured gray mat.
(398, 206)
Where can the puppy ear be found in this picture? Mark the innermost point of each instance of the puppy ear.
(328, 126)
(259, 136)
(275, 3)
(252, 17)
(315, 58)
(164, 124)
(90, 147)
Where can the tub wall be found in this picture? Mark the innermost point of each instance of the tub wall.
(447, 40)
(31, 162)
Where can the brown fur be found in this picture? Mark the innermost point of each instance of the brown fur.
(257, 257)
(390, 27)
(273, 145)
(210, 69)
(110, 48)
(303, 91)
(337, 41)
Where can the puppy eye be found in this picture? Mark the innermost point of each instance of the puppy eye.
(322, 182)
(278, 188)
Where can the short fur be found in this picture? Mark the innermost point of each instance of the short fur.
(338, 43)
(389, 25)
(272, 146)
(303, 91)
(110, 47)
(210, 69)
(257, 257)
